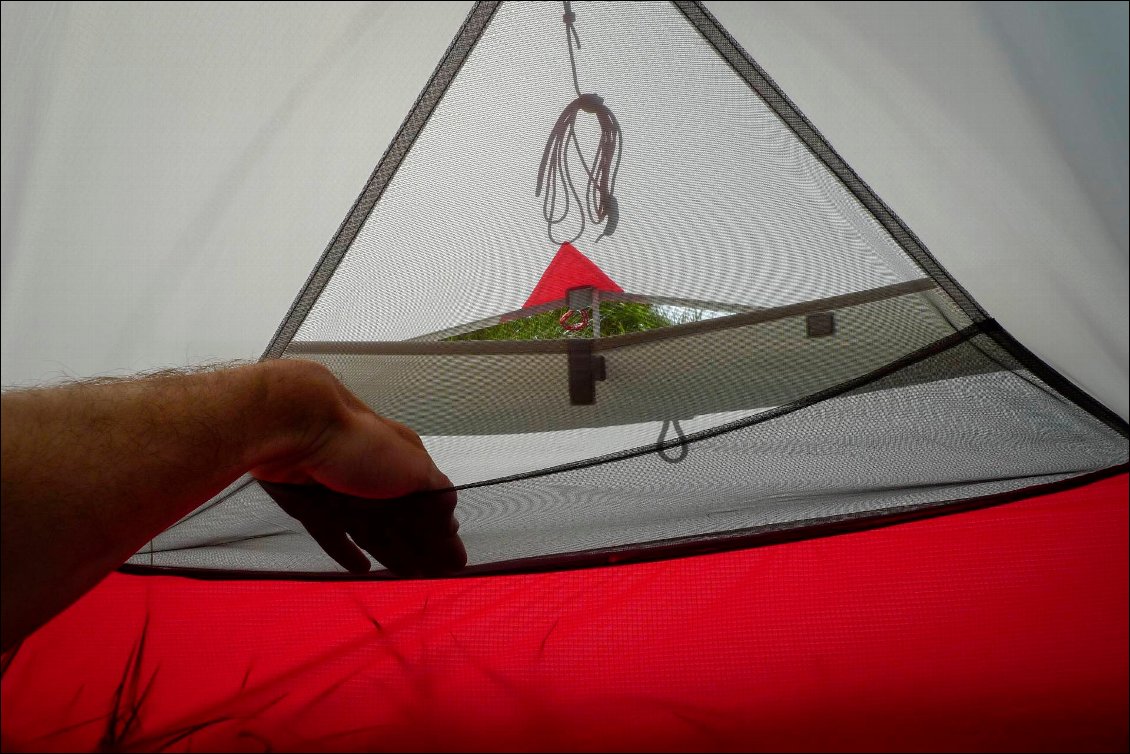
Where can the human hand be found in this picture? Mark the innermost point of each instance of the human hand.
(412, 536)
(356, 480)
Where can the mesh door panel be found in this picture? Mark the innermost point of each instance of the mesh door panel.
(728, 198)
(719, 200)
(917, 437)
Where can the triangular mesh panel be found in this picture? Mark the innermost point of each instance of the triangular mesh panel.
(766, 348)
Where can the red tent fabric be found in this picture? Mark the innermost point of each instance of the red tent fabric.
(569, 269)
(999, 629)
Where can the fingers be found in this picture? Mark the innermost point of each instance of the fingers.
(386, 547)
(336, 543)
(412, 555)
(413, 536)
(320, 513)
(436, 480)
(373, 480)
(431, 533)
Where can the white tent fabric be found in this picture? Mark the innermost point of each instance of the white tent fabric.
(172, 171)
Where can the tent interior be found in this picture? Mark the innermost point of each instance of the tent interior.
(729, 443)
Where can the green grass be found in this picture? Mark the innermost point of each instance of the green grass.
(616, 318)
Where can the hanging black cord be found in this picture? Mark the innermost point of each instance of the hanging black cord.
(662, 449)
(554, 176)
(571, 36)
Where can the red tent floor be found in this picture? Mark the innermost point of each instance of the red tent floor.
(1002, 628)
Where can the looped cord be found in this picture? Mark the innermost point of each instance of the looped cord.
(555, 180)
(683, 447)
(580, 324)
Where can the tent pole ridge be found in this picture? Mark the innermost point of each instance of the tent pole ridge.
(450, 64)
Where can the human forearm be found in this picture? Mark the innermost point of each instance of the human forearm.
(92, 471)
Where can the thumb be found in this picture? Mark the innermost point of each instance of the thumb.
(373, 460)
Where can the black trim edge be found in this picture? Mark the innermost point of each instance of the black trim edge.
(1058, 382)
(449, 65)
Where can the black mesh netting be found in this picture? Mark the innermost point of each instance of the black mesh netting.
(795, 358)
